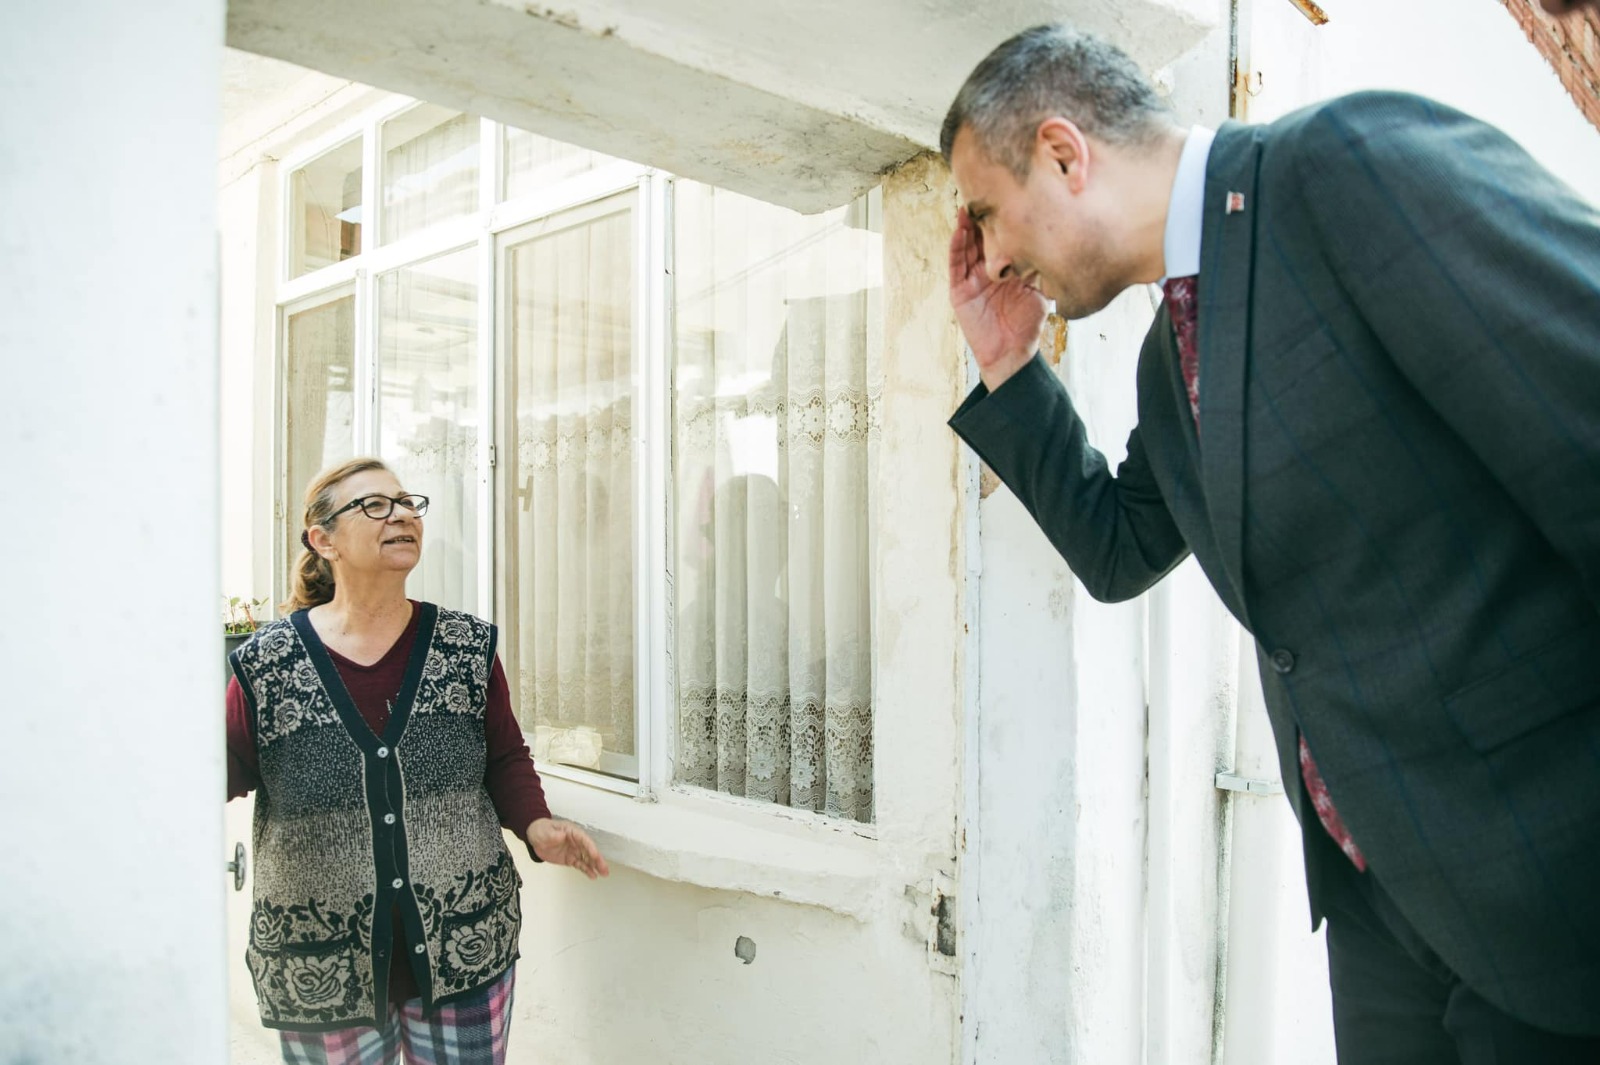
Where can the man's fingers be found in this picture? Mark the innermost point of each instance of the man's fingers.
(966, 250)
(959, 252)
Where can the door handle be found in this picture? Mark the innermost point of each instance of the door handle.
(236, 867)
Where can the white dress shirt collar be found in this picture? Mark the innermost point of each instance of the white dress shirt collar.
(1180, 245)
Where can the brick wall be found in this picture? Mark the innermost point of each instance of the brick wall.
(1571, 44)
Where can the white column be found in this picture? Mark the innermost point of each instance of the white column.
(111, 771)
(1056, 830)
(1193, 659)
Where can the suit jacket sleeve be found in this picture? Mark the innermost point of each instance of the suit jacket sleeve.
(1115, 532)
(1479, 273)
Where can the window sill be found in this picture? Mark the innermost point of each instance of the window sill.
(709, 841)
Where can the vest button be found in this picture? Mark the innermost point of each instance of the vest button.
(420, 949)
(388, 819)
(399, 883)
(1282, 660)
(383, 752)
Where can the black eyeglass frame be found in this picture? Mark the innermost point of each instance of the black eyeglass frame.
(360, 503)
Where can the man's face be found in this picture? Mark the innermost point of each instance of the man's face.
(1041, 231)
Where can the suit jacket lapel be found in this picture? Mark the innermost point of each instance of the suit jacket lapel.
(1227, 252)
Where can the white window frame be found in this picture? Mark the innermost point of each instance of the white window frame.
(656, 822)
(644, 499)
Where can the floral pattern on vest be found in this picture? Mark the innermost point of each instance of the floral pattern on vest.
(350, 826)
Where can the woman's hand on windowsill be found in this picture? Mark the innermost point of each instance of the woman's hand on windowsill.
(564, 843)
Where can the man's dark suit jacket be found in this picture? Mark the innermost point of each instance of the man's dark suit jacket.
(1395, 487)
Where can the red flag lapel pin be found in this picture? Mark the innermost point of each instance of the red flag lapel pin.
(1234, 203)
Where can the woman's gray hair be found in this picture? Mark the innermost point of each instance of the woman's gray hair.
(1047, 71)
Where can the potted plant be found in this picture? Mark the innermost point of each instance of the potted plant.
(238, 625)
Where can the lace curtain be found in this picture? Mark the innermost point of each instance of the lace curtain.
(778, 347)
(428, 414)
(571, 512)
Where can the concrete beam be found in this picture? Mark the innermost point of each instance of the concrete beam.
(799, 104)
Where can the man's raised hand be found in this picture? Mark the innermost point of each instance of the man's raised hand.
(1001, 319)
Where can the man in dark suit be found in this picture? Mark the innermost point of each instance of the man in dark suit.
(1370, 407)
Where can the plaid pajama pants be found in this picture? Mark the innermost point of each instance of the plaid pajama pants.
(470, 1031)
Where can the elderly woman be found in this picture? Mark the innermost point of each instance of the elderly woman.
(378, 736)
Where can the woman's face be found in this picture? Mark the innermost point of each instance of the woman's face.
(360, 543)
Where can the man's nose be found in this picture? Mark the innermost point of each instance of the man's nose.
(997, 262)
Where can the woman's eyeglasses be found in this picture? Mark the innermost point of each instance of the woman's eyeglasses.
(379, 508)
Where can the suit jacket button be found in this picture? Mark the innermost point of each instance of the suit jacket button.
(1282, 660)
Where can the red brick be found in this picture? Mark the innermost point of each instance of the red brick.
(1571, 45)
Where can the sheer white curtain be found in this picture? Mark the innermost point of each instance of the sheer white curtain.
(532, 162)
(319, 408)
(570, 292)
(430, 169)
(778, 346)
(428, 415)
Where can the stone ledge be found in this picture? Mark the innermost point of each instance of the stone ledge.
(802, 105)
(729, 846)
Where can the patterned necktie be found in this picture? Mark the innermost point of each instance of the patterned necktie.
(1183, 304)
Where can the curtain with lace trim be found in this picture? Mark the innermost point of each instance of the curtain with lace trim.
(774, 432)
(570, 522)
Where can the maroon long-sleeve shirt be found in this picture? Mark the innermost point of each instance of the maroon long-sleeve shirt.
(509, 775)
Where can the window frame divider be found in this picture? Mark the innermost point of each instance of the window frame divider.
(657, 742)
(366, 383)
(487, 424)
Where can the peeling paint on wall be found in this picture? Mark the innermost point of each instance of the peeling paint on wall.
(988, 481)
(1053, 338)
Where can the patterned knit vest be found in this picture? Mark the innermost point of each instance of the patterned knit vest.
(350, 825)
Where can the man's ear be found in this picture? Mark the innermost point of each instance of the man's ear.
(1062, 146)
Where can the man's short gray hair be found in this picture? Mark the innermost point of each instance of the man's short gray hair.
(1047, 71)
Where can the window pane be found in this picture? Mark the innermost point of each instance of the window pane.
(319, 407)
(569, 486)
(428, 414)
(533, 162)
(778, 341)
(430, 169)
(325, 197)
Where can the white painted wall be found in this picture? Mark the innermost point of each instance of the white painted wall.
(1055, 950)
(110, 746)
(246, 310)
(1472, 56)
(642, 968)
